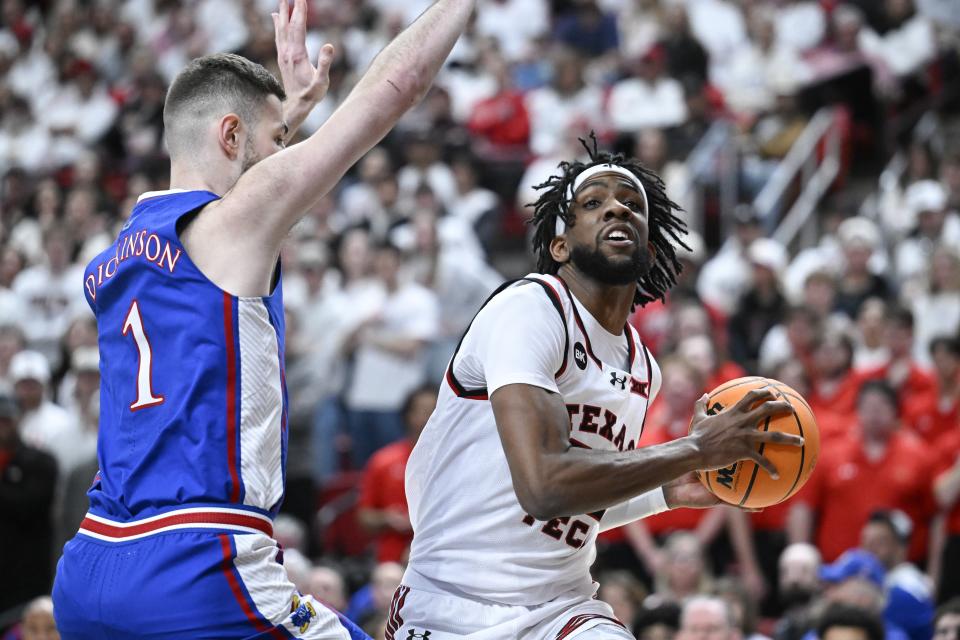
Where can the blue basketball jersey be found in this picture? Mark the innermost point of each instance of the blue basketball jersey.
(193, 399)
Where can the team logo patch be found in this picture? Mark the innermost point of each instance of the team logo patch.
(413, 635)
(618, 380)
(580, 356)
(302, 613)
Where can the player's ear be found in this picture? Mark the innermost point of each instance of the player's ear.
(653, 252)
(560, 249)
(228, 134)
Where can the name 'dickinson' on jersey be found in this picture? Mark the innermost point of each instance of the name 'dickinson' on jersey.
(140, 244)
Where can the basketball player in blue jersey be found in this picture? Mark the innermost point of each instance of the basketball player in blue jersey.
(178, 540)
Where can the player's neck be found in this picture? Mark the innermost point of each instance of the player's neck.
(609, 304)
(188, 178)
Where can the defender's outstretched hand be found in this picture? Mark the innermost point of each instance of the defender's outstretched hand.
(304, 84)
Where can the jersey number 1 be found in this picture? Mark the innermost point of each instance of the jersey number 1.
(134, 325)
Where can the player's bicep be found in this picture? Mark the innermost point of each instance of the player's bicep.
(533, 424)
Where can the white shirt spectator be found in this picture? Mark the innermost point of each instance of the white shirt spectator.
(552, 115)
(52, 301)
(725, 278)
(438, 176)
(718, 25)
(382, 379)
(26, 145)
(912, 257)
(33, 77)
(636, 104)
(88, 117)
(513, 23)
(934, 315)
(800, 25)
(903, 50)
(749, 76)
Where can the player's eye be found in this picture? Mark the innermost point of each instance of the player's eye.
(592, 203)
(633, 204)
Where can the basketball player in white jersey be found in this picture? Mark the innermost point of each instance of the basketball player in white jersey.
(532, 448)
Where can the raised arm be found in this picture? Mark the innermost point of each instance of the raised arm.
(253, 218)
(553, 479)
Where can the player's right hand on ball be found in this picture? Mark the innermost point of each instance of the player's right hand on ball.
(732, 434)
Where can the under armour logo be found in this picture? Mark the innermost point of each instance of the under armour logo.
(413, 635)
(617, 380)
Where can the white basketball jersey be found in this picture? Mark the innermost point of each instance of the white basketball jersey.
(471, 536)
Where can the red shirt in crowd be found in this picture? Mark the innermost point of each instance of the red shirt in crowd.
(655, 432)
(501, 119)
(930, 418)
(836, 410)
(382, 489)
(948, 450)
(846, 488)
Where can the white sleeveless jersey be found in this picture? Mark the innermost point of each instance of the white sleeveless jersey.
(471, 536)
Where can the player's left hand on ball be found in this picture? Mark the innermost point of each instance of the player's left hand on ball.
(688, 491)
(301, 80)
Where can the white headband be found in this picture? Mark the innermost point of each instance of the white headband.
(589, 173)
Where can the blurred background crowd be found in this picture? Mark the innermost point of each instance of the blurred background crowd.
(815, 146)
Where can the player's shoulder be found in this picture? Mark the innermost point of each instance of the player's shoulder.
(533, 290)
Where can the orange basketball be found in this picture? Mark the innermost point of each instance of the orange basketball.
(746, 484)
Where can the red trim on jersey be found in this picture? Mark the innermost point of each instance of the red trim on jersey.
(229, 572)
(576, 443)
(395, 620)
(182, 520)
(578, 621)
(231, 398)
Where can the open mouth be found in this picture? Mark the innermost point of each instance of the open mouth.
(619, 237)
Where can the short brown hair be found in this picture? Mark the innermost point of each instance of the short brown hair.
(223, 80)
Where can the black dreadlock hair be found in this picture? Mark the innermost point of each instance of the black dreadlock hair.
(666, 230)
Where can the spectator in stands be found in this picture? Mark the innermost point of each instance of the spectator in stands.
(28, 478)
(762, 307)
(834, 385)
(846, 622)
(856, 579)
(500, 123)
(684, 572)
(870, 349)
(51, 293)
(37, 622)
(835, 492)
(946, 624)
(624, 593)
(940, 414)
(914, 384)
(927, 200)
(726, 276)
(798, 588)
(657, 621)
(383, 503)
(701, 351)
(647, 97)
(743, 607)
(950, 177)
(326, 585)
(513, 24)
(946, 490)
(685, 55)
(425, 167)
(588, 29)
(859, 238)
(11, 343)
(389, 349)
(45, 425)
(908, 591)
(567, 104)
(795, 338)
(373, 599)
(707, 617)
(936, 308)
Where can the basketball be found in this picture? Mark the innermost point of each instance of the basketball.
(744, 483)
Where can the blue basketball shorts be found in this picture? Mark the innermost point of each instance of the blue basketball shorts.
(204, 584)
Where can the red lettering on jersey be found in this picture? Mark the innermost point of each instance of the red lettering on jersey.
(589, 422)
(552, 527)
(127, 250)
(639, 387)
(528, 520)
(99, 274)
(621, 437)
(573, 538)
(609, 419)
(140, 237)
(572, 410)
(106, 270)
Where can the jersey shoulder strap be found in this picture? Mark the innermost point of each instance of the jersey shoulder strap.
(552, 294)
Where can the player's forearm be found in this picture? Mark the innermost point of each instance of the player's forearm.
(578, 481)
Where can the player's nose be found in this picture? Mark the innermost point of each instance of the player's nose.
(615, 209)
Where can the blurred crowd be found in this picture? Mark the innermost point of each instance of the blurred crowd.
(383, 277)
